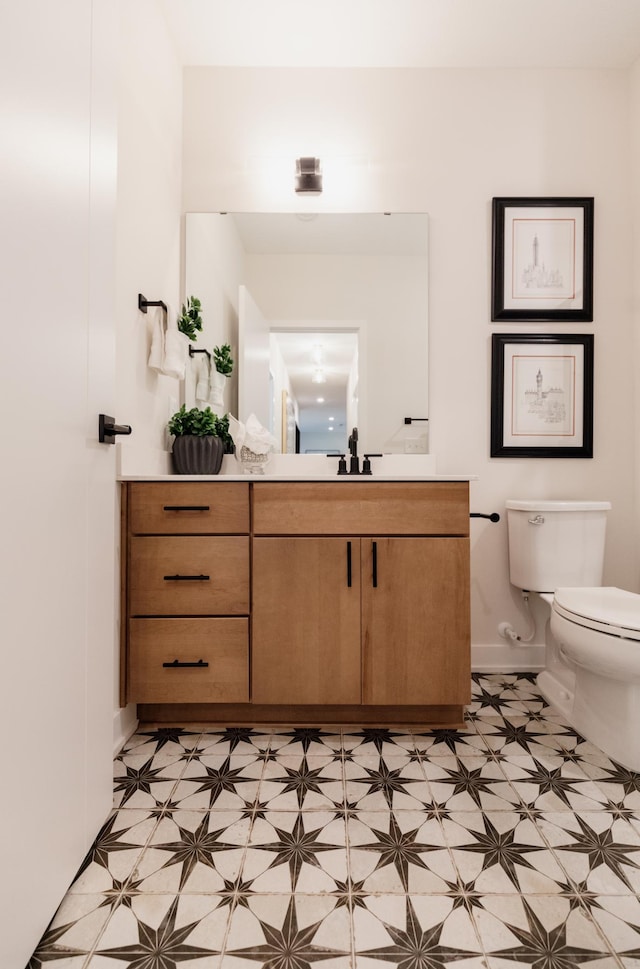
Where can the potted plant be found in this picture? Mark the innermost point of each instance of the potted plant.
(222, 370)
(199, 444)
(190, 321)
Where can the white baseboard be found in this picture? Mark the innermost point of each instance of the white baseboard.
(125, 722)
(504, 658)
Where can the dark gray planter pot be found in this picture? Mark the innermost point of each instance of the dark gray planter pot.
(197, 455)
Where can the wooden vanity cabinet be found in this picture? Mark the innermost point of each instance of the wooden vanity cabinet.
(187, 593)
(297, 602)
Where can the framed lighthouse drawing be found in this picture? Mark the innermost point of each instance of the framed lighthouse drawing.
(542, 254)
(542, 395)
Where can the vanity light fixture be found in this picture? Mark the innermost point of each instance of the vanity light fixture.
(308, 176)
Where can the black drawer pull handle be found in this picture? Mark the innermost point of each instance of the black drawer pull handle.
(374, 553)
(178, 665)
(349, 564)
(186, 508)
(186, 578)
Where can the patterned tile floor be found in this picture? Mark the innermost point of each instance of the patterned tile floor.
(512, 843)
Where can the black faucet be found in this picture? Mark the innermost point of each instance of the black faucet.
(354, 463)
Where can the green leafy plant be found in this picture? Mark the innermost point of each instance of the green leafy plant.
(197, 422)
(190, 321)
(223, 360)
(222, 430)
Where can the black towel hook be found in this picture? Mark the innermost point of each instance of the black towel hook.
(493, 517)
(193, 352)
(143, 303)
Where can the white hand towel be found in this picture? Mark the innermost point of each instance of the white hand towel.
(202, 380)
(176, 353)
(156, 353)
(218, 383)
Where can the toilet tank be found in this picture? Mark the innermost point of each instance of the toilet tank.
(556, 543)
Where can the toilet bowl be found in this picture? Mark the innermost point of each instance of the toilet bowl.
(592, 649)
(597, 632)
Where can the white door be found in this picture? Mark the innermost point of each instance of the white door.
(58, 503)
(254, 389)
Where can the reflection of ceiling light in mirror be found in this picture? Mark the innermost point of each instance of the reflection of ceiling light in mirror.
(319, 400)
(332, 418)
(319, 377)
(330, 428)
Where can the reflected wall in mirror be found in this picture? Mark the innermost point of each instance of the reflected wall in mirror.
(326, 314)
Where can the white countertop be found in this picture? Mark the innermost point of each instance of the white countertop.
(148, 465)
(258, 478)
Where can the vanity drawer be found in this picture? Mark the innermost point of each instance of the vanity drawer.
(195, 575)
(220, 647)
(188, 508)
(359, 508)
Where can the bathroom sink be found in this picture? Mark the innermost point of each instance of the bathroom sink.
(320, 467)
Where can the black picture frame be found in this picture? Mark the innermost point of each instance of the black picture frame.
(542, 259)
(542, 395)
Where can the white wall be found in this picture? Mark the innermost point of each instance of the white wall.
(58, 490)
(148, 226)
(147, 235)
(446, 142)
(213, 271)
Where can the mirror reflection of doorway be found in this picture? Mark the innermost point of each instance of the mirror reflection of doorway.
(319, 377)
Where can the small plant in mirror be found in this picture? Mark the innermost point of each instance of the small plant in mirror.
(222, 429)
(222, 359)
(190, 321)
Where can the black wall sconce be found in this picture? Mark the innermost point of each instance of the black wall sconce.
(308, 176)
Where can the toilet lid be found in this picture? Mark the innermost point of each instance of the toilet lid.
(608, 609)
(532, 504)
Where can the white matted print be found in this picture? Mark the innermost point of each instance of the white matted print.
(542, 256)
(542, 395)
(542, 259)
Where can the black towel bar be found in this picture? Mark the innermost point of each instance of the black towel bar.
(143, 303)
(193, 352)
(493, 517)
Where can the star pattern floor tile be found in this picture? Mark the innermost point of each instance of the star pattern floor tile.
(512, 842)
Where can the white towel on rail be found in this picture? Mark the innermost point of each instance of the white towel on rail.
(202, 380)
(176, 352)
(156, 353)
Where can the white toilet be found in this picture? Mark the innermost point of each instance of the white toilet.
(592, 656)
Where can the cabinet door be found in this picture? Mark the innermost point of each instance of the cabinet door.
(306, 620)
(415, 614)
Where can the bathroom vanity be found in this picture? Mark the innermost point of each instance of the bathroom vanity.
(298, 601)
